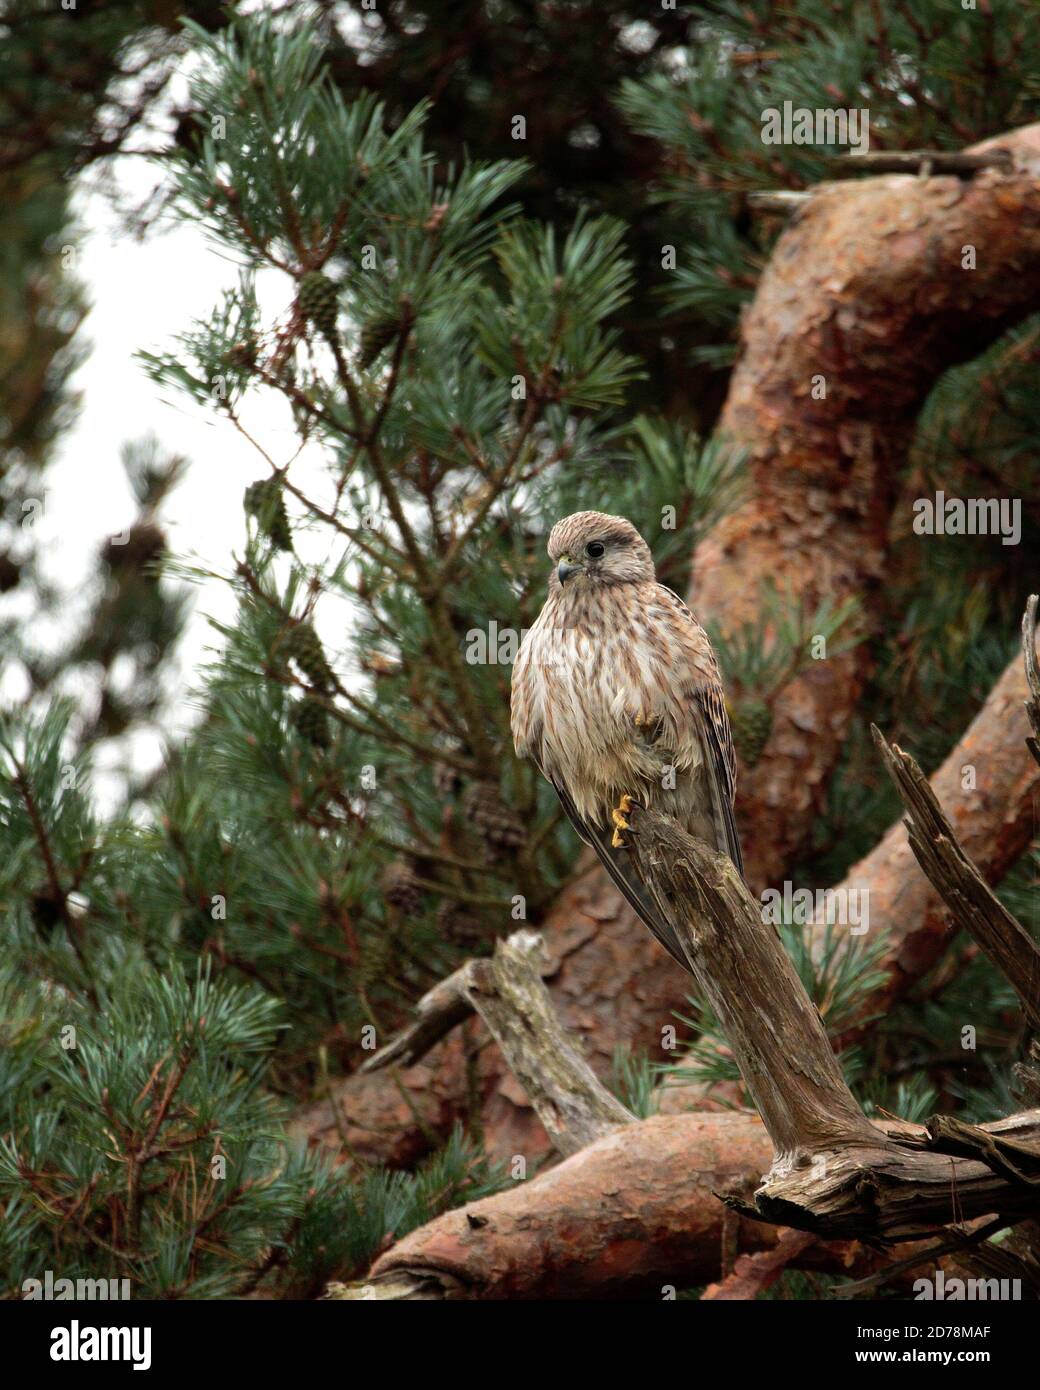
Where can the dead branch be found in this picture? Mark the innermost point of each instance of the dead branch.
(972, 904)
(572, 1103)
(439, 1011)
(747, 978)
(961, 162)
(833, 1172)
(993, 823)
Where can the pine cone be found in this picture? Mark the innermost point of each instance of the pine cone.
(318, 301)
(10, 573)
(497, 822)
(144, 544)
(752, 721)
(265, 501)
(460, 924)
(311, 720)
(302, 645)
(401, 887)
(376, 335)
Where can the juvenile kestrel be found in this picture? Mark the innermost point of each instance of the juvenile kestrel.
(617, 699)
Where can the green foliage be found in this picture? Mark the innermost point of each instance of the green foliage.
(928, 76)
(634, 1082)
(140, 1144)
(761, 657)
(470, 346)
(114, 1143)
(263, 848)
(840, 975)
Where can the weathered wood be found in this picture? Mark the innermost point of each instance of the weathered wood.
(439, 1011)
(507, 993)
(972, 903)
(506, 990)
(833, 1172)
(772, 1027)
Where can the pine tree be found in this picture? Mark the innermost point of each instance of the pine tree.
(458, 349)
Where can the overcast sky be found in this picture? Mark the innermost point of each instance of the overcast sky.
(142, 293)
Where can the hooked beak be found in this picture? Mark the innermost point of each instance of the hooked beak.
(566, 568)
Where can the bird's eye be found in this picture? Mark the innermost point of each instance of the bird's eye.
(594, 549)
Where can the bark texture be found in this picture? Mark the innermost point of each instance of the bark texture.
(634, 1214)
(833, 1171)
(971, 902)
(865, 290)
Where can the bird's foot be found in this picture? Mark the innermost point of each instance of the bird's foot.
(618, 815)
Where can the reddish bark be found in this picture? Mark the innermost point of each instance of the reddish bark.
(865, 289)
(753, 1274)
(632, 1212)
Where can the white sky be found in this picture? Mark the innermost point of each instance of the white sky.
(142, 293)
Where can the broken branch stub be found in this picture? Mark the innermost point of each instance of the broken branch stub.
(748, 979)
(972, 903)
(507, 992)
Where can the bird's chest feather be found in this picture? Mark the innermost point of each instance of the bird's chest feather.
(599, 698)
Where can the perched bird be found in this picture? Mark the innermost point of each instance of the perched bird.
(616, 697)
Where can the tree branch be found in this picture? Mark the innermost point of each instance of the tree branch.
(632, 1214)
(972, 903)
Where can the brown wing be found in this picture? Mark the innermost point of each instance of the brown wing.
(708, 709)
(618, 864)
(717, 742)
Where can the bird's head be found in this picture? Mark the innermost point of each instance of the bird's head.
(592, 548)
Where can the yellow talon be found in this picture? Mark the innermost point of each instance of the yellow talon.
(618, 817)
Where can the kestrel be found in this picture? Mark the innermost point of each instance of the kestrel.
(617, 698)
